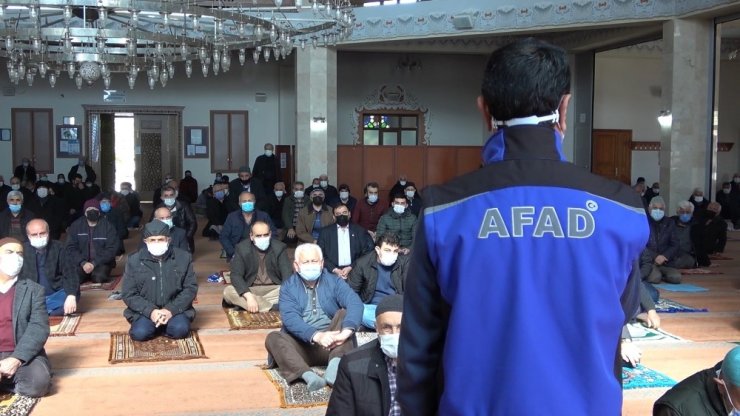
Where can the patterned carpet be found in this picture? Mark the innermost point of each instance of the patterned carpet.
(642, 377)
(297, 394)
(63, 326)
(671, 306)
(125, 350)
(699, 271)
(239, 319)
(15, 405)
(642, 333)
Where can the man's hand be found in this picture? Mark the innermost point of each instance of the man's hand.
(325, 338)
(291, 233)
(252, 305)
(660, 260)
(70, 305)
(344, 273)
(404, 251)
(631, 353)
(653, 320)
(88, 267)
(340, 338)
(166, 316)
(9, 366)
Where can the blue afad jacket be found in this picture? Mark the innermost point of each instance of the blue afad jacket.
(521, 278)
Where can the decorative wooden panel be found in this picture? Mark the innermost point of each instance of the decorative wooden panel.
(378, 163)
(410, 160)
(350, 169)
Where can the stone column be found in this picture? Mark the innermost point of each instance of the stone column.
(316, 98)
(686, 147)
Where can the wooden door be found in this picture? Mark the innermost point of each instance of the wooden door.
(285, 156)
(611, 154)
(33, 137)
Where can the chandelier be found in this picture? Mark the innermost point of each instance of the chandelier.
(93, 39)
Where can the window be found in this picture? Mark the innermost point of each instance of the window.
(390, 128)
(33, 137)
(229, 140)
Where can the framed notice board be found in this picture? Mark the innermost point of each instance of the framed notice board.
(69, 141)
(196, 142)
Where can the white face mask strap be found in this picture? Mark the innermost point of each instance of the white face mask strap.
(553, 118)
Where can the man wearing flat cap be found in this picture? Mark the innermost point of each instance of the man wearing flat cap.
(313, 218)
(366, 381)
(244, 182)
(159, 287)
(92, 245)
(24, 327)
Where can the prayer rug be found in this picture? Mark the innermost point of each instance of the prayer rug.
(63, 326)
(699, 271)
(365, 337)
(681, 287)
(102, 286)
(239, 319)
(297, 394)
(719, 257)
(671, 306)
(641, 333)
(125, 350)
(642, 377)
(16, 405)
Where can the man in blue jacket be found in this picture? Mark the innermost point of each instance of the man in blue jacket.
(524, 271)
(320, 313)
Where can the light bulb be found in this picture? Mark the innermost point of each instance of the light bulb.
(106, 82)
(256, 56)
(52, 80)
(152, 82)
(188, 68)
(78, 81)
(242, 56)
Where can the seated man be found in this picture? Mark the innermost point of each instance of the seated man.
(682, 227)
(400, 221)
(345, 197)
(414, 199)
(48, 206)
(313, 218)
(343, 244)
(45, 264)
(215, 210)
(182, 214)
(291, 209)
(134, 204)
(177, 235)
(662, 247)
(319, 313)
(730, 202)
(92, 244)
(367, 211)
(236, 227)
(363, 385)
(709, 234)
(714, 391)
(15, 217)
(24, 366)
(274, 203)
(159, 287)
(378, 274)
(259, 266)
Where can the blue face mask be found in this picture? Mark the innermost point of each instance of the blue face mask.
(14, 208)
(248, 206)
(105, 206)
(685, 217)
(219, 195)
(657, 214)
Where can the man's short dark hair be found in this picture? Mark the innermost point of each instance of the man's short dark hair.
(343, 187)
(525, 78)
(168, 188)
(371, 185)
(77, 175)
(399, 195)
(388, 238)
(333, 210)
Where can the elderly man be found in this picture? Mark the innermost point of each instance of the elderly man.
(24, 327)
(114, 216)
(313, 218)
(134, 204)
(714, 391)
(378, 274)
(237, 224)
(399, 187)
(244, 182)
(45, 264)
(331, 195)
(159, 287)
(292, 207)
(683, 223)
(86, 172)
(25, 171)
(662, 247)
(320, 313)
(215, 210)
(50, 207)
(13, 220)
(177, 235)
(367, 212)
(366, 381)
(274, 203)
(267, 168)
(344, 244)
(92, 244)
(258, 267)
(182, 214)
(189, 187)
(4, 189)
(709, 234)
(400, 221)
(730, 202)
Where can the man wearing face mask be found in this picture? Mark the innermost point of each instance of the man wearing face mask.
(274, 207)
(345, 198)
(13, 220)
(368, 211)
(379, 274)
(182, 213)
(366, 381)
(244, 182)
(653, 191)
(399, 220)
(159, 287)
(399, 187)
(25, 171)
(259, 266)
(730, 202)
(709, 234)
(189, 187)
(114, 217)
(44, 263)
(683, 223)
(4, 189)
(75, 198)
(24, 327)
(313, 218)
(266, 167)
(714, 391)
(61, 186)
(134, 204)
(662, 247)
(17, 185)
(49, 207)
(330, 192)
(343, 244)
(291, 208)
(215, 211)
(177, 235)
(413, 198)
(237, 224)
(319, 313)
(92, 244)
(700, 203)
(84, 170)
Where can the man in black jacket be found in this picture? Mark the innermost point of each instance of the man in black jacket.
(48, 206)
(15, 217)
(344, 243)
(366, 381)
(85, 171)
(177, 234)
(378, 274)
(662, 247)
(182, 214)
(25, 171)
(159, 287)
(258, 267)
(92, 244)
(44, 263)
(266, 168)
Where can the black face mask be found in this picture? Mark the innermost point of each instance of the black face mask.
(318, 200)
(710, 214)
(342, 220)
(245, 181)
(92, 215)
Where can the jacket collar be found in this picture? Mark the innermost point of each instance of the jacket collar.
(523, 142)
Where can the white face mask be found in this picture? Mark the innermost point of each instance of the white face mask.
(268, 153)
(262, 243)
(311, 271)
(11, 264)
(157, 249)
(279, 194)
(410, 194)
(169, 201)
(169, 222)
(403, 183)
(324, 184)
(698, 198)
(387, 259)
(399, 209)
(38, 242)
(42, 192)
(125, 192)
(389, 345)
(344, 195)
(298, 194)
(15, 186)
(372, 198)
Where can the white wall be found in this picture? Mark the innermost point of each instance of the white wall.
(234, 90)
(729, 123)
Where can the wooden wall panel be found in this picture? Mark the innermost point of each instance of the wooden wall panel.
(378, 166)
(441, 164)
(410, 160)
(468, 159)
(349, 169)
